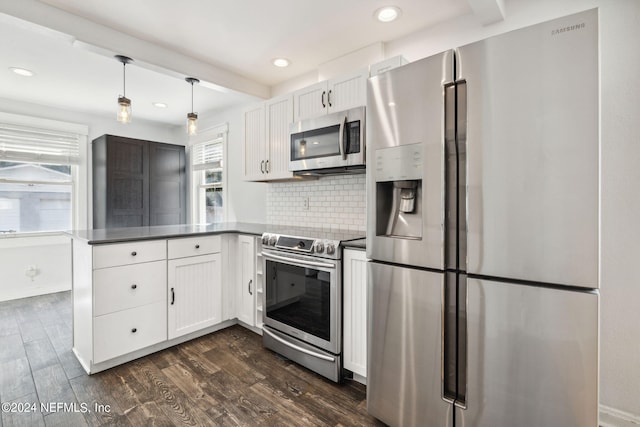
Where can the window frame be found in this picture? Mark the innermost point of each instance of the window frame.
(78, 168)
(198, 186)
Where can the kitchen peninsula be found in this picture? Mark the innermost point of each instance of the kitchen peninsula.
(139, 290)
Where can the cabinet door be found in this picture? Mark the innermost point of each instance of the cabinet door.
(355, 311)
(194, 286)
(167, 184)
(255, 149)
(279, 115)
(246, 275)
(347, 91)
(310, 101)
(127, 182)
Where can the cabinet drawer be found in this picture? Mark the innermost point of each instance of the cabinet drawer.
(191, 246)
(128, 286)
(114, 333)
(128, 253)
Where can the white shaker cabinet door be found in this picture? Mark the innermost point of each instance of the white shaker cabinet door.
(347, 91)
(247, 281)
(279, 115)
(354, 284)
(255, 147)
(194, 293)
(310, 101)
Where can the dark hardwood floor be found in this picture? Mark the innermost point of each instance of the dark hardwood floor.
(226, 378)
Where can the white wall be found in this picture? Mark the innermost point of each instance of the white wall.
(51, 255)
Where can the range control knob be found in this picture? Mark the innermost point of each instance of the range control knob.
(331, 249)
(272, 240)
(265, 239)
(319, 247)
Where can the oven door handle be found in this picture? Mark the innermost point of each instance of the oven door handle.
(298, 348)
(298, 261)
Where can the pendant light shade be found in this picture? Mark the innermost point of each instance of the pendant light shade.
(124, 103)
(192, 118)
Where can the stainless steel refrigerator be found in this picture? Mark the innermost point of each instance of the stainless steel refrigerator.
(483, 228)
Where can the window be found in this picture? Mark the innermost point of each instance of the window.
(37, 170)
(208, 177)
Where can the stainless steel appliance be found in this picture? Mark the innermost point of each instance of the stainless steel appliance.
(303, 297)
(333, 143)
(482, 196)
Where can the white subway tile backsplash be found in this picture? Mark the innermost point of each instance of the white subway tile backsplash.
(335, 203)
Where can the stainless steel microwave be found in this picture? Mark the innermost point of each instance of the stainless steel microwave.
(334, 143)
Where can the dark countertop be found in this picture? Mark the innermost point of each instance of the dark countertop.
(119, 235)
(355, 244)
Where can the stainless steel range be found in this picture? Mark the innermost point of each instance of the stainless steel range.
(303, 297)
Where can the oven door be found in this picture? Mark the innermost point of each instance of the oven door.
(332, 141)
(302, 298)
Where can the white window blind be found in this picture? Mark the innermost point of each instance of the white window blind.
(20, 143)
(208, 155)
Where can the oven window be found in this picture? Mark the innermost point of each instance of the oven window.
(299, 297)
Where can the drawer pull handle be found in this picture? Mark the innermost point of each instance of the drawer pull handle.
(173, 296)
(134, 253)
(134, 286)
(134, 330)
(250, 281)
(197, 246)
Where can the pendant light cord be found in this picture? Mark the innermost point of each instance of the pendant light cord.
(124, 79)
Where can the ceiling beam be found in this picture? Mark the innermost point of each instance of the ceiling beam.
(107, 41)
(488, 11)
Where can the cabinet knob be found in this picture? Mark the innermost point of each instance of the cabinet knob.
(197, 246)
(134, 286)
(134, 330)
(134, 253)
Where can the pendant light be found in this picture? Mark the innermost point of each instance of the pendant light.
(124, 103)
(192, 118)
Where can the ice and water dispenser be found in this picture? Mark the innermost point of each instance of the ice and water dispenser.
(398, 176)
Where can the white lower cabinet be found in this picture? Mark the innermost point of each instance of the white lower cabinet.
(125, 331)
(246, 273)
(354, 284)
(194, 293)
(131, 299)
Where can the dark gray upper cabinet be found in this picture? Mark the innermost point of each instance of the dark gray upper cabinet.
(138, 183)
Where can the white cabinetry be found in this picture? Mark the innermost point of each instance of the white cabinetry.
(194, 285)
(246, 263)
(279, 115)
(119, 299)
(266, 140)
(255, 147)
(355, 311)
(338, 94)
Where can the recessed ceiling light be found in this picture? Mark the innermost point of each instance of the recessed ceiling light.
(387, 13)
(160, 105)
(22, 71)
(281, 62)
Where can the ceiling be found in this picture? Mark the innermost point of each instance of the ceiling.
(229, 44)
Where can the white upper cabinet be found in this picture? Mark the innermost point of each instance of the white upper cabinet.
(266, 140)
(279, 115)
(338, 94)
(255, 145)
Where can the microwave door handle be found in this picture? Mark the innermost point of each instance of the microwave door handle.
(342, 140)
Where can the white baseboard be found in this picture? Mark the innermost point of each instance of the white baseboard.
(611, 417)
